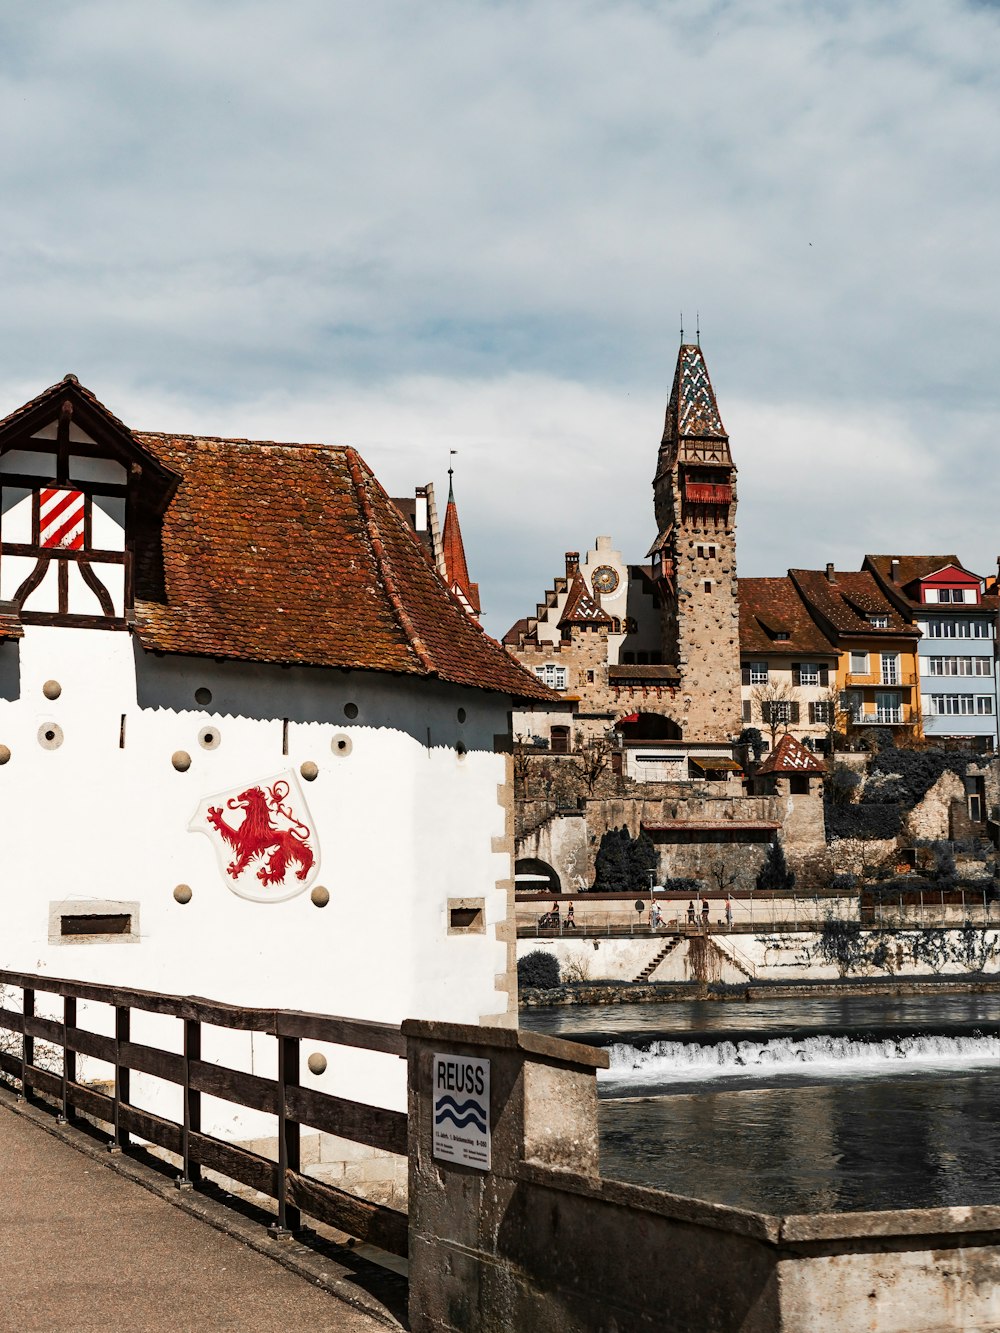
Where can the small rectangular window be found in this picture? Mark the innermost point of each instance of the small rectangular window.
(466, 916)
(98, 923)
(758, 673)
(809, 673)
(708, 585)
(83, 922)
(859, 664)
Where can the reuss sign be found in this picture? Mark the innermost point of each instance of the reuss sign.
(461, 1096)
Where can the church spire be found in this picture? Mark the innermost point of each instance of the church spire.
(456, 568)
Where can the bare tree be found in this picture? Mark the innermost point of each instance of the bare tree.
(591, 757)
(832, 710)
(777, 702)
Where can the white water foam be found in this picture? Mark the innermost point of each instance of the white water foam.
(675, 1061)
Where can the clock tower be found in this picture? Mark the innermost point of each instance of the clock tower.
(694, 494)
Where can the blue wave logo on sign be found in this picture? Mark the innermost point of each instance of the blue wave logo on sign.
(469, 1113)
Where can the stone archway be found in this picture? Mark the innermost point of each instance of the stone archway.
(648, 727)
(533, 875)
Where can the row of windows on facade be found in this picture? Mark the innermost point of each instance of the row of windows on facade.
(888, 708)
(803, 673)
(956, 629)
(789, 712)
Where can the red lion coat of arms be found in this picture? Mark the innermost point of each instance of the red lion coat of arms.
(263, 837)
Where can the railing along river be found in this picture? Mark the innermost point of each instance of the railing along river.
(293, 1105)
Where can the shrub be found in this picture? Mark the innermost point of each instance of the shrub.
(642, 858)
(844, 881)
(842, 783)
(945, 870)
(682, 885)
(774, 873)
(863, 821)
(623, 863)
(751, 737)
(538, 969)
(612, 872)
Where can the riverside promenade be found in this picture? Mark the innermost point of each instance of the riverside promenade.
(84, 1247)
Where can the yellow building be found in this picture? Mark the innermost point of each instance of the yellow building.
(878, 678)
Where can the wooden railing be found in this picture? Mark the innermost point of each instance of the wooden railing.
(293, 1106)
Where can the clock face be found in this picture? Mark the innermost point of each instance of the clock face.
(605, 579)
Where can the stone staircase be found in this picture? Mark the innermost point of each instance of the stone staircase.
(669, 946)
(735, 958)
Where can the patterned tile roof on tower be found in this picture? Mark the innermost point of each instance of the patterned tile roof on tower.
(693, 412)
(791, 756)
(581, 607)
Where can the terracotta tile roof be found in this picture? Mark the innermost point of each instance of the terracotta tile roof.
(791, 756)
(581, 607)
(652, 674)
(517, 633)
(773, 606)
(842, 607)
(295, 554)
(913, 568)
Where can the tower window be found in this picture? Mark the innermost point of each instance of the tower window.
(708, 585)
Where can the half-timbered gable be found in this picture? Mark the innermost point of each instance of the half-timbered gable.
(78, 491)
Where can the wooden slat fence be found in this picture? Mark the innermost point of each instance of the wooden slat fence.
(283, 1097)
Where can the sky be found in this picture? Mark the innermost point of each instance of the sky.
(418, 228)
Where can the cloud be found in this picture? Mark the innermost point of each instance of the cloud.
(482, 222)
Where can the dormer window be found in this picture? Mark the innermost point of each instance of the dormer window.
(878, 622)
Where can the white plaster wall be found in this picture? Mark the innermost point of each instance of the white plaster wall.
(403, 821)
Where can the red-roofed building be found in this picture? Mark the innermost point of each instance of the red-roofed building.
(245, 640)
(956, 614)
(877, 678)
(788, 665)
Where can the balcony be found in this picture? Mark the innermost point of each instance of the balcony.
(882, 717)
(900, 680)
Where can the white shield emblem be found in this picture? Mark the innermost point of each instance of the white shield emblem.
(264, 838)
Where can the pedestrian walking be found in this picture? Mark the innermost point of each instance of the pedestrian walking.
(690, 913)
(570, 918)
(704, 912)
(729, 913)
(656, 917)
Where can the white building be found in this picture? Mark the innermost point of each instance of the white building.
(250, 745)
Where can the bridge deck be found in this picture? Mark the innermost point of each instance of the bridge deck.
(82, 1248)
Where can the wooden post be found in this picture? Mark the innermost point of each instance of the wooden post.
(27, 1042)
(68, 1057)
(190, 1171)
(289, 1139)
(121, 1136)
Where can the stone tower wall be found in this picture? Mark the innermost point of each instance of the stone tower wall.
(702, 626)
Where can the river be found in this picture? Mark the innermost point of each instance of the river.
(800, 1105)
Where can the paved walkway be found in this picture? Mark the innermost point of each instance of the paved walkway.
(83, 1248)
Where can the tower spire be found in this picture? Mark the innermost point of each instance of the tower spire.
(455, 565)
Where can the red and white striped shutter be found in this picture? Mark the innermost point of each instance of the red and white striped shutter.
(61, 516)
